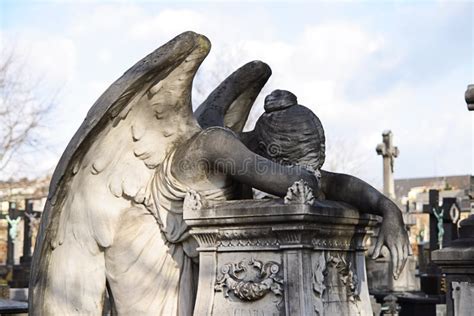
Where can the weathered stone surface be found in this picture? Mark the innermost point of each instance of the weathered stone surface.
(379, 274)
(270, 258)
(457, 263)
(117, 197)
(463, 297)
(114, 192)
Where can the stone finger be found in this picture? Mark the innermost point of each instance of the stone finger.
(403, 258)
(377, 248)
(395, 263)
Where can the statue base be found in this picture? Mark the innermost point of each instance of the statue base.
(265, 257)
(457, 263)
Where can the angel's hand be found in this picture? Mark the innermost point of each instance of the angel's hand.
(393, 235)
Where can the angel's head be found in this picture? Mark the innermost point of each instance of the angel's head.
(290, 133)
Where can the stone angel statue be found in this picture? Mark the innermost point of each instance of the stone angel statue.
(113, 219)
(291, 134)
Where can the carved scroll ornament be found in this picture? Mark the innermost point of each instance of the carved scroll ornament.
(232, 279)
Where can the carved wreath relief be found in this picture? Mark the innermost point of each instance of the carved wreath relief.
(233, 278)
(346, 276)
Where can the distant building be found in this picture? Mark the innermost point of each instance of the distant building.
(19, 190)
(415, 191)
(412, 194)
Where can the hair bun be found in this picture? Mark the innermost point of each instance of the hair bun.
(279, 100)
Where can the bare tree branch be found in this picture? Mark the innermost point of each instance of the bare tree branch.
(343, 156)
(22, 109)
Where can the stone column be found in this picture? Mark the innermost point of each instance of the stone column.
(457, 263)
(389, 153)
(265, 257)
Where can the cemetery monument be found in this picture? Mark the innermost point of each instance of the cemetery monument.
(457, 259)
(152, 204)
(389, 153)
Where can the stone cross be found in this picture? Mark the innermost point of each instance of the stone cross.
(444, 219)
(389, 153)
(30, 224)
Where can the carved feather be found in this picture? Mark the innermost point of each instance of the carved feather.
(111, 158)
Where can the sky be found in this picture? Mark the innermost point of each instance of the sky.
(362, 67)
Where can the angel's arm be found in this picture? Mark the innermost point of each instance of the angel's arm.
(349, 189)
(229, 155)
(257, 171)
(354, 191)
(250, 140)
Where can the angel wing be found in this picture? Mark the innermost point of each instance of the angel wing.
(230, 103)
(111, 158)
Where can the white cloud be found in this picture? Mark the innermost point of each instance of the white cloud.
(104, 56)
(339, 68)
(101, 19)
(45, 58)
(168, 23)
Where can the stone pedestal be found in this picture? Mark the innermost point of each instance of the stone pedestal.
(380, 276)
(457, 263)
(270, 258)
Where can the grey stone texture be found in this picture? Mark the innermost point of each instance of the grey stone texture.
(271, 258)
(457, 263)
(113, 222)
(379, 274)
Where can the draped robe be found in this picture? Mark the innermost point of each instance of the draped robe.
(153, 266)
